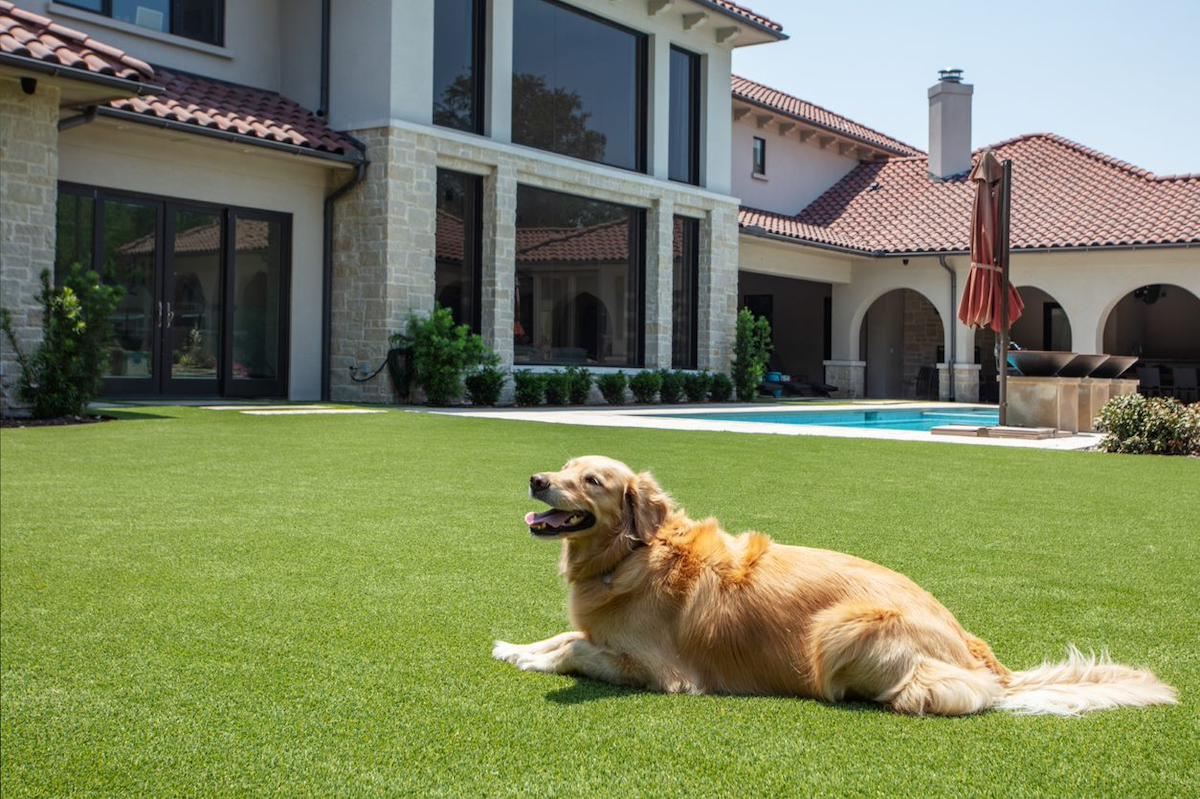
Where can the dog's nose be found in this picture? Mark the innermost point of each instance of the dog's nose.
(539, 482)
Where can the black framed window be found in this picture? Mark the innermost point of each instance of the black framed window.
(460, 246)
(578, 85)
(685, 293)
(458, 59)
(204, 308)
(760, 156)
(202, 20)
(580, 281)
(684, 159)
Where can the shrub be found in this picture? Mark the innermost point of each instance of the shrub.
(1158, 426)
(581, 384)
(528, 387)
(63, 375)
(752, 349)
(722, 388)
(485, 386)
(672, 388)
(558, 387)
(697, 385)
(612, 387)
(645, 386)
(439, 352)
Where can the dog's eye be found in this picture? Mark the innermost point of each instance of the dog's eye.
(592, 480)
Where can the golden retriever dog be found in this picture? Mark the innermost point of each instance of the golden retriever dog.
(663, 602)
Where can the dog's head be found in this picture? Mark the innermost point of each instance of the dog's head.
(594, 495)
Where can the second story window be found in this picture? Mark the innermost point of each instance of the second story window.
(684, 160)
(202, 20)
(458, 56)
(578, 85)
(760, 156)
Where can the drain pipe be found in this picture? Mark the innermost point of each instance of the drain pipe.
(360, 170)
(323, 110)
(952, 323)
(88, 115)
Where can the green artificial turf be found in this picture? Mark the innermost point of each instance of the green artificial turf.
(196, 601)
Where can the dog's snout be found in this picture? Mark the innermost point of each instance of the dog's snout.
(539, 482)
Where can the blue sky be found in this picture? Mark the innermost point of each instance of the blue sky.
(1122, 78)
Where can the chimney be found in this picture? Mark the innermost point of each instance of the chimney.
(949, 125)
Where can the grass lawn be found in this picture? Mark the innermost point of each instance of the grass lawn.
(198, 601)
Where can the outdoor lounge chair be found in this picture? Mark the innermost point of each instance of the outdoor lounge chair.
(795, 386)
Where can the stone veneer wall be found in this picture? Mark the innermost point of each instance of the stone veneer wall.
(28, 196)
(923, 334)
(384, 246)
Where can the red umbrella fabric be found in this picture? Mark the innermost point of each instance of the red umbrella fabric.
(980, 306)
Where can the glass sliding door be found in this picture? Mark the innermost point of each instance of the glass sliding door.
(257, 356)
(130, 258)
(191, 315)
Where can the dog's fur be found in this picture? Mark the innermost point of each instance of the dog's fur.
(660, 601)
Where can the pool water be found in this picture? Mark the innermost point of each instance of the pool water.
(889, 419)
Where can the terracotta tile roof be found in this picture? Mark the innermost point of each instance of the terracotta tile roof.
(252, 235)
(602, 243)
(1064, 195)
(215, 105)
(742, 11)
(33, 36)
(794, 107)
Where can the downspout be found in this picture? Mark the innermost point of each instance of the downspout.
(360, 170)
(88, 115)
(952, 323)
(323, 108)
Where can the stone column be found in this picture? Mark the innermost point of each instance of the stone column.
(660, 256)
(28, 199)
(850, 377)
(966, 382)
(718, 290)
(499, 261)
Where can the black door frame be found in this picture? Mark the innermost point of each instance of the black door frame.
(161, 384)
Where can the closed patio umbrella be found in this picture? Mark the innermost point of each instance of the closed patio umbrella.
(989, 300)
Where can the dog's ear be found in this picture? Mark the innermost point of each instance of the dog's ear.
(646, 508)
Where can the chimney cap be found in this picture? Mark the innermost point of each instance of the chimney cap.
(950, 75)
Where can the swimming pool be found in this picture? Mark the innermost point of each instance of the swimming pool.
(884, 419)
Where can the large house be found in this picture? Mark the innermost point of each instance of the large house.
(278, 184)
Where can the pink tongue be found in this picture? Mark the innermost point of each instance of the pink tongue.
(554, 518)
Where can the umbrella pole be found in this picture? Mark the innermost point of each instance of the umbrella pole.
(1005, 208)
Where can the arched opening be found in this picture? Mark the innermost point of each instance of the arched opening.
(900, 339)
(1160, 324)
(1043, 326)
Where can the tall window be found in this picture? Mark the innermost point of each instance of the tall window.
(459, 245)
(684, 161)
(202, 20)
(578, 85)
(685, 293)
(458, 57)
(579, 281)
(760, 156)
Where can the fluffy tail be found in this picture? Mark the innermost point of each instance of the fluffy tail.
(1083, 683)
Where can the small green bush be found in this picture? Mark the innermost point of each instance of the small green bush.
(528, 387)
(612, 387)
(752, 348)
(63, 375)
(485, 386)
(558, 388)
(645, 386)
(697, 385)
(1156, 426)
(672, 389)
(439, 352)
(581, 384)
(722, 388)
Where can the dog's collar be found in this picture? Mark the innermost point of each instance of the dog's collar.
(607, 577)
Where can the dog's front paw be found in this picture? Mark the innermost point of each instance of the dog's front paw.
(544, 662)
(507, 652)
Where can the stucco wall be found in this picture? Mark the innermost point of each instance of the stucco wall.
(143, 160)
(797, 172)
(28, 192)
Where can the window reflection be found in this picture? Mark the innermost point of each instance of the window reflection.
(457, 82)
(684, 158)
(257, 286)
(579, 271)
(459, 245)
(685, 295)
(577, 85)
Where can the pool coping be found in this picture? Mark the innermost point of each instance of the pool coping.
(648, 417)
